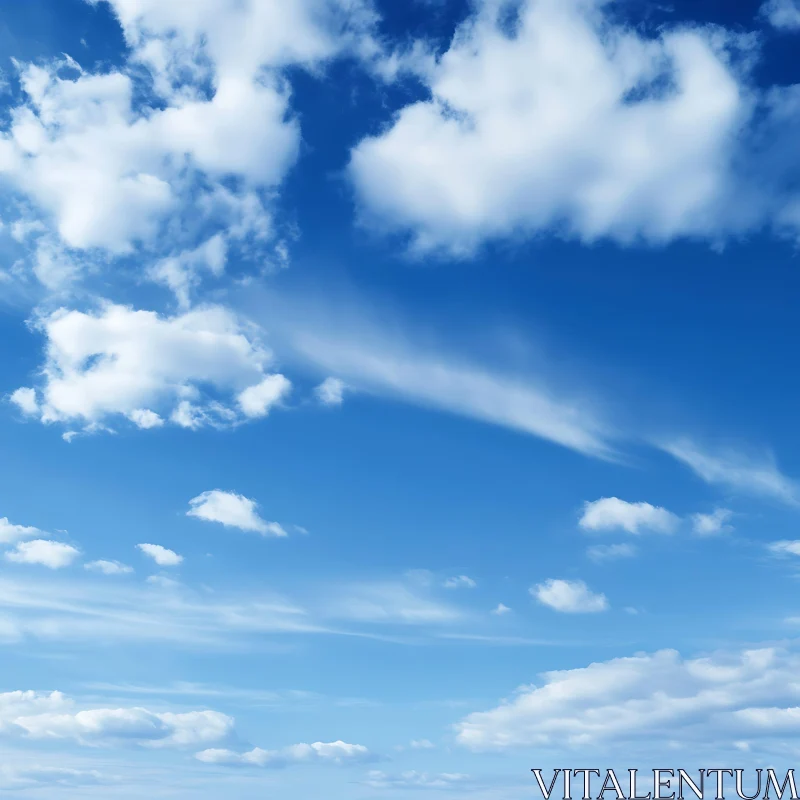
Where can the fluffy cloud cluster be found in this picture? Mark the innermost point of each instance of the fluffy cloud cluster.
(36, 715)
(723, 698)
(234, 511)
(31, 548)
(563, 118)
(330, 752)
(176, 153)
(613, 514)
(201, 367)
(10, 533)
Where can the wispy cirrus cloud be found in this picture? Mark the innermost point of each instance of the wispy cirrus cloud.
(735, 470)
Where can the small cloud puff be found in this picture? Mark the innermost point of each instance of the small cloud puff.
(569, 597)
(161, 555)
(331, 392)
(234, 511)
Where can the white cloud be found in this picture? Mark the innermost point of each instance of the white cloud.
(712, 524)
(326, 752)
(256, 401)
(163, 582)
(422, 744)
(145, 418)
(194, 131)
(575, 123)
(785, 548)
(460, 582)
(570, 597)
(390, 603)
(10, 533)
(782, 14)
(418, 374)
(331, 392)
(501, 610)
(25, 400)
(108, 567)
(54, 555)
(611, 513)
(734, 470)
(48, 716)
(182, 272)
(411, 779)
(234, 511)
(121, 361)
(720, 698)
(161, 555)
(81, 610)
(19, 778)
(610, 552)
(76, 608)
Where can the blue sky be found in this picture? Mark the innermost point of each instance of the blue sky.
(396, 396)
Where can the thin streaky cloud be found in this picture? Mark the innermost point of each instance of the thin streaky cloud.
(737, 471)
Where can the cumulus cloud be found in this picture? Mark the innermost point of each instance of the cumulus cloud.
(48, 716)
(712, 524)
(234, 511)
(25, 400)
(194, 132)
(330, 392)
(460, 582)
(10, 533)
(782, 14)
(108, 567)
(161, 555)
(145, 418)
(324, 752)
(610, 552)
(256, 401)
(54, 555)
(118, 361)
(573, 122)
(734, 470)
(570, 597)
(722, 698)
(611, 513)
